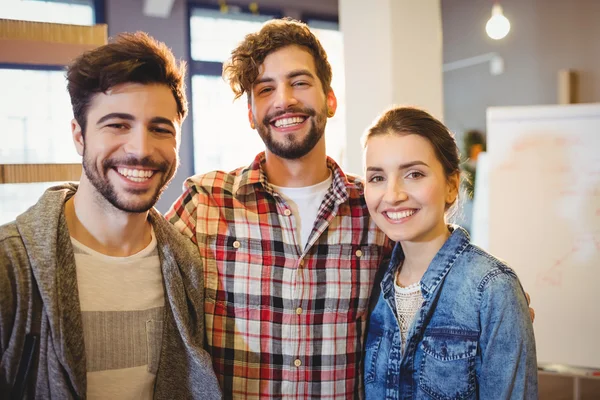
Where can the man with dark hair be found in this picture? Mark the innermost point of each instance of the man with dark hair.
(99, 296)
(290, 251)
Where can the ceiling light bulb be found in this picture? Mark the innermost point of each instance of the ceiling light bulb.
(498, 26)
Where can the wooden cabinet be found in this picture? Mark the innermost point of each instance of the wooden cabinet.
(555, 386)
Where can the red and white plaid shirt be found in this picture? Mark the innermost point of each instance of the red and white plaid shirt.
(282, 321)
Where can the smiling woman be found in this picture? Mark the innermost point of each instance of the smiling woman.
(454, 312)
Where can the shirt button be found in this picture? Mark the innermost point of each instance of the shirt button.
(236, 244)
(299, 310)
(358, 253)
(302, 262)
(287, 212)
(297, 363)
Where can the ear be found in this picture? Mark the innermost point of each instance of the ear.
(77, 136)
(331, 103)
(452, 188)
(251, 116)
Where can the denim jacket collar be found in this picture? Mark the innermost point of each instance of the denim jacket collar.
(437, 270)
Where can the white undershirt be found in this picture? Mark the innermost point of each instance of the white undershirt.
(305, 203)
(122, 306)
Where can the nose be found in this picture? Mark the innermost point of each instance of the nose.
(395, 193)
(139, 142)
(285, 97)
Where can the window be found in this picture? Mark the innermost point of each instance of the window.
(331, 39)
(222, 135)
(35, 106)
(76, 12)
(35, 111)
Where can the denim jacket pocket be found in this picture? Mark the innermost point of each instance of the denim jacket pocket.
(371, 353)
(448, 366)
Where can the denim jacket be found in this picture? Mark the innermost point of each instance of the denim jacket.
(471, 339)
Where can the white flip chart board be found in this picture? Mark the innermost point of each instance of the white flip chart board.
(544, 220)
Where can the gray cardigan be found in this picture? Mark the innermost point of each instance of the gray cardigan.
(42, 354)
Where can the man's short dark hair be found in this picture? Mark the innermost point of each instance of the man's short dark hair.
(130, 58)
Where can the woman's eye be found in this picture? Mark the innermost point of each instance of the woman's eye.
(415, 175)
(375, 179)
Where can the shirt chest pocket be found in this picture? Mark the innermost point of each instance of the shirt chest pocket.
(331, 280)
(341, 278)
(447, 369)
(237, 268)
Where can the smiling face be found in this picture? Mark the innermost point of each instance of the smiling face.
(130, 146)
(406, 190)
(288, 106)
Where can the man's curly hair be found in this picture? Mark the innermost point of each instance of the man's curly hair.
(241, 70)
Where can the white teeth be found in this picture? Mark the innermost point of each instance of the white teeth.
(285, 122)
(137, 179)
(135, 175)
(401, 214)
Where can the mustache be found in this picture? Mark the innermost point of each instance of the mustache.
(132, 161)
(294, 110)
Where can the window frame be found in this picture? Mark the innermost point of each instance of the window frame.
(206, 68)
(99, 8)
(43, 174)
(307, 17)
(213, 68)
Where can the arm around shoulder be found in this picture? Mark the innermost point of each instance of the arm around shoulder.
(182, 213)
(508, 357)
(196, 211)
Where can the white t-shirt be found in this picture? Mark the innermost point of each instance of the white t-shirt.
(122, 306)
(304, 203)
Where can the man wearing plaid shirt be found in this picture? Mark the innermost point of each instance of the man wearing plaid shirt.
(289, 249)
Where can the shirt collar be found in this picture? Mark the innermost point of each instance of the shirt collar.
(440, 265)
(254, 178)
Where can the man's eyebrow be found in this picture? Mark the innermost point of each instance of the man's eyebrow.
(263, 80)
(292, 74)
(128, 117)
(300, 72)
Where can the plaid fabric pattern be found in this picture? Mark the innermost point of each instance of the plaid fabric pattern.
(282, 321)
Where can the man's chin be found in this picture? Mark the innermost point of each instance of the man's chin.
(289, 153)
(134, 207)
(292, 150)
(133, 200)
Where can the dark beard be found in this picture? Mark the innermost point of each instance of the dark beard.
(106, 189)
(292, 149)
